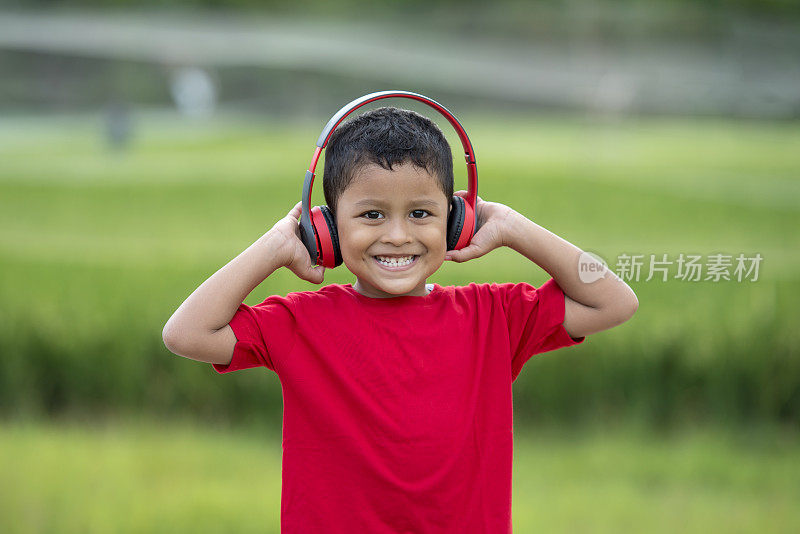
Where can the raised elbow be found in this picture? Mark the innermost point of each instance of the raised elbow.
(627, 308)
(621, 308)
(170, 338)
(167, 339)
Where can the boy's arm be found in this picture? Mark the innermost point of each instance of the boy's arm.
(589, 307)
(199, 327)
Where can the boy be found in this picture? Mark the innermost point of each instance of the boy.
(397, 393)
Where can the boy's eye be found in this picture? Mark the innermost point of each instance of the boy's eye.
(371, 214)
(419, 214)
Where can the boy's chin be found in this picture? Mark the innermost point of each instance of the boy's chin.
(390, 289)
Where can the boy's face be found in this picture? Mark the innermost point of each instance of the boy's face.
(394, 216)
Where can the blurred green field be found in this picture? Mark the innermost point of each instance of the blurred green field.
(99, 247)
(129, 476)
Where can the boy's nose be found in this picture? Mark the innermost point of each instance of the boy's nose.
(397, 233)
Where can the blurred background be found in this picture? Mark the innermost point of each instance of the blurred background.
(145, 144)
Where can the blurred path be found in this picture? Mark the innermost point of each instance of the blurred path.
(734, 79)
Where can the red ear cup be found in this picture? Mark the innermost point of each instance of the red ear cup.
(455, 221)
(334, 233)
(469, 227)
(460, 223)
(329, 253)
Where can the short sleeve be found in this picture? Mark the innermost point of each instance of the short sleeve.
(264, 333)
(535, 321)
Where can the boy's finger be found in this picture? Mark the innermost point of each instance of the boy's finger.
(317, 275)
(463, 194)
(296, 210)
(465, 254)
(310, 273)
(453, 255)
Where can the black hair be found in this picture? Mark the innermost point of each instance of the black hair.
(385, 136)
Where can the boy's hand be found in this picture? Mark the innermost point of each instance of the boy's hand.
(491, 231)
(291, 250)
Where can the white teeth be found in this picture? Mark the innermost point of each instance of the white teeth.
(395, 262)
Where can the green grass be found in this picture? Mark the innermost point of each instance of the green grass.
(143, 476)
(98, 248)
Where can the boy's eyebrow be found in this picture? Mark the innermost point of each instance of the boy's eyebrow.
(373, 201)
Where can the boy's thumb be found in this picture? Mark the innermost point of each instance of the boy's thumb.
(464, 254)
(317, 274)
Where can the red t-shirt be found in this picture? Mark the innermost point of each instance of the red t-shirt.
(397, 412)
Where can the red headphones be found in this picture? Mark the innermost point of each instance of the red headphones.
(318, 226)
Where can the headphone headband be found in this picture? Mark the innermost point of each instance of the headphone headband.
(366, 99)
(472, 171)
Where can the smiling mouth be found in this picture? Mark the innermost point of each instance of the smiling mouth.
(395, 263)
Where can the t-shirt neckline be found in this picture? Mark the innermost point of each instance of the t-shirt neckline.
(435, 289)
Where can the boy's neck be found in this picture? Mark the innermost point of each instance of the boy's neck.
(359, 288)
